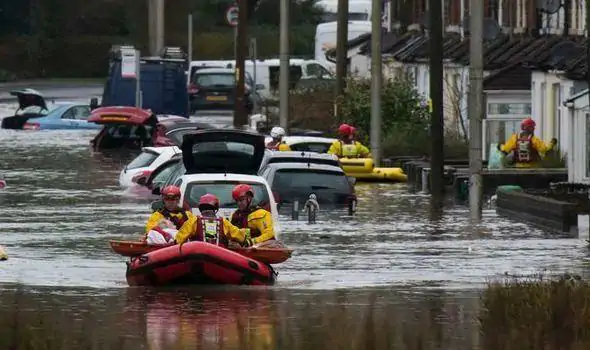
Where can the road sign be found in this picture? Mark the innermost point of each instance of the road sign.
(231, 15)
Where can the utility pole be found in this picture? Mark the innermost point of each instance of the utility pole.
(254, 58)
(376, 82)
(341, 40)
(436, 96)
(240, 115)
(156, 26)
(190, 54)
(476, 16)
(588, 46)
(284, 66)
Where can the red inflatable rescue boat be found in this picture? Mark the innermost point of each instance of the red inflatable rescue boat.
(197, 263)
(269, 252)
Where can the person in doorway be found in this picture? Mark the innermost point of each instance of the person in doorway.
(210, 227)
(346, 146)
(164, 223)
(257, 220)
(277, 144)
(526, 148)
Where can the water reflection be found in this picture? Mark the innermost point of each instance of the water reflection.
(73, 205)
(243, 318)
(206, 319)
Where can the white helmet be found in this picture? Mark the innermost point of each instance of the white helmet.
(277, 132)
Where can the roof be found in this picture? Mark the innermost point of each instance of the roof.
(292, 140)
(513, 77)
(306, 166)
(229, 177)
(162, 150)
(215, 70)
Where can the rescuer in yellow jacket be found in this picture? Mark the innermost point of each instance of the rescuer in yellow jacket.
(257, 220)
(277, 144)
(527, 149)
(164, 223)
(211, 228)
(346, 146)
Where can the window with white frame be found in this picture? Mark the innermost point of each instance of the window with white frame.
(510, 109)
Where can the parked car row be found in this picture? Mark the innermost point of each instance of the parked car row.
(291, 176)
(176, 150)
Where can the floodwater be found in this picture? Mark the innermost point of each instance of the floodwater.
(390, 265)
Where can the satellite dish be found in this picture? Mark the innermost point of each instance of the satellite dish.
(549, 6)
(564, 50)
(491, 28)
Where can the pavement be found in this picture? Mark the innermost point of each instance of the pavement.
(54, 89)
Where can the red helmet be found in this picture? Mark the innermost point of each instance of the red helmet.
(210, 200)
(171, 192)
(528, 123)
(241, 190)
(352, 130)
(345, 129)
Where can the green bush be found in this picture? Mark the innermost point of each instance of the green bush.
(405, 118)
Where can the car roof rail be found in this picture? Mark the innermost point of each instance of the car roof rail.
(311, 160)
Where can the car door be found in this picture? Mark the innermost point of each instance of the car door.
(68, 119)
(81, 114)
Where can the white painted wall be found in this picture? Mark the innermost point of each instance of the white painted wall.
(548, 93)
(577, 159)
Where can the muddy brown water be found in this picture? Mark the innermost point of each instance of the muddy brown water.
(374, 277)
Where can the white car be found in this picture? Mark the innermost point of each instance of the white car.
(307, 143)
(148, 160)
(216, 161)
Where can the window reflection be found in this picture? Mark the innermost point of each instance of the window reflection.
(509, 108)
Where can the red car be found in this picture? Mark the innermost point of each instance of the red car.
(133, 128)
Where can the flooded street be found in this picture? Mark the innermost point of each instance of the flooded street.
(392, 267)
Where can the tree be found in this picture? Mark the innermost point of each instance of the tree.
(455, 88)
(405, 114)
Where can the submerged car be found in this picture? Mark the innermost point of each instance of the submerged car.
(145, 163)
(33, 113)
(31, 104)
(65, 116)
(134, 128)
(214, 161)
(309, 143)
(294, 176)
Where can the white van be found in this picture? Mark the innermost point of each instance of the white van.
(266, 74)
(325, 38)
(358, 10)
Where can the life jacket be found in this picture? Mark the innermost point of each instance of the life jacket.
(349, 150)
(210, 230)
(524, 151)
(240, 219)
(274, 145)
(178, 216)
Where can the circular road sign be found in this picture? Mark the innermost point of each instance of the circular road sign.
(231, 16)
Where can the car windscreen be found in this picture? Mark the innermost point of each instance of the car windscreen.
(310, 180)
(317, 147)
(144, 159)
(165, 171)
(123, 131)
(215, 79)
(223, 189)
